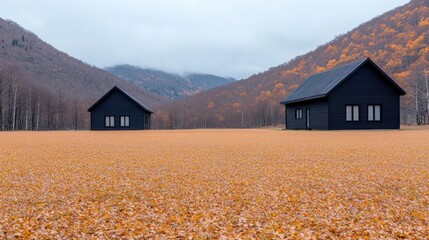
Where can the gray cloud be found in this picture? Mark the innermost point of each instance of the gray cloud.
(226, 37)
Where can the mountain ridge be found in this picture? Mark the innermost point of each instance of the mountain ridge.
(170, 85)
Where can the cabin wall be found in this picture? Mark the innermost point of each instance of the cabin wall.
(116, 104)
(319, 115)
(365, 87)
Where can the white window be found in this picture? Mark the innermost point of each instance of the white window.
(298, 113)
(374, 113)
(125, 121)
(109, 121)
(356, 113)
(370, 112)
(349, 113)
(352, 113)
(377, 113)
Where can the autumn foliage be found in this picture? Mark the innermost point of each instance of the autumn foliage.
(397, 41)
(215, 184)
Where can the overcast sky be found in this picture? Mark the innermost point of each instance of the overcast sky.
(234, 38)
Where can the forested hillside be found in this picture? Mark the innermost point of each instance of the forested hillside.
(43, 88)
(397, 41)
(169, 85)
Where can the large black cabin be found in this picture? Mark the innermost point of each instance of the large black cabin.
(355, 96)
(117, 110)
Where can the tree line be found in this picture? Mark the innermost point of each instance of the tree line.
(420, 97)
(25, 106)
(266, 110)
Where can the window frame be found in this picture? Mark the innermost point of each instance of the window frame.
(353, 112)
(374, 106)
(123, 120)
(111, 124)
(298, 113)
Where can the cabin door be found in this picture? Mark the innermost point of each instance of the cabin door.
(307, 110)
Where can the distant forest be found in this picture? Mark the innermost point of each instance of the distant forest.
(25, 106)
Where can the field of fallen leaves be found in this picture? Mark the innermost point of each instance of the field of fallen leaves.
(264, 183)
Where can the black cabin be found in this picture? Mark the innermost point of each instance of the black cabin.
(117, 110)
(355, 96)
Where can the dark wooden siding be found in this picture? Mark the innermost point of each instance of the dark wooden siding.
(318, 115)
(366, 86)
(116, 104)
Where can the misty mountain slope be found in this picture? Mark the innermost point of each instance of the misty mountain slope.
(207, 81)
(169, 85)
(48, 68)
(397, 41)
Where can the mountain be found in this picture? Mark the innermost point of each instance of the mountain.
(60, 82)
(204, 82)
(169, 85)
(397, 41)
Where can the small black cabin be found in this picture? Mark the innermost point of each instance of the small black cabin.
(117, 110)
(355, 96)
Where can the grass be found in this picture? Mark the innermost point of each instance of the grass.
(257, 183)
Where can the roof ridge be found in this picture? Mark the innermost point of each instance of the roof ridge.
(135, 100)
(322, 84)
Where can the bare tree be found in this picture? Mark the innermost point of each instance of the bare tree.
(1, 101)
(75, 115)
(15, 89)
(38, 113)
(416, 95)
(28, 109)
(427, 95)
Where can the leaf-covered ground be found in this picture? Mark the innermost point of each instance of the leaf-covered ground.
(218, 184)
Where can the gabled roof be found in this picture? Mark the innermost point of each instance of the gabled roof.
(322, 84)
(140, 104)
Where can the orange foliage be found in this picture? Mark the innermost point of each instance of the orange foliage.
(387, 30)
(331, 64)
(278, 86)
(331, 49)
(210, 104)
(293, 87)
(395, 47)
(236, 105)
(355, 36)
(403, 75)
(320, 69)
(263, 96)
(424, 23)
(393, 64)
